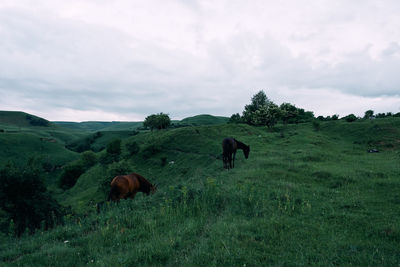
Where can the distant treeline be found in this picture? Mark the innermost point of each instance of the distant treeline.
(263, 112)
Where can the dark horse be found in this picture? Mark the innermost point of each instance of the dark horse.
(124, 186)
(229, 147)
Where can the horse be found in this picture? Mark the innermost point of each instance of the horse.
(229, 147)
(124, 186)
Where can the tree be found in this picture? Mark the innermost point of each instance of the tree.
(368, 114)
(289, 113)
(257, 101)
(273, 115)
(235, 118)
(350, 118)
(157, 121)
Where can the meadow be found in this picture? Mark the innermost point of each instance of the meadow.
(306, 195)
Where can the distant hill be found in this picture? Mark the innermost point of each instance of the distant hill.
(204, 119)
(100, 125)
(22, 119)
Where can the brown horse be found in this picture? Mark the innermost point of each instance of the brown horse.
(124, 186)
(229, 147)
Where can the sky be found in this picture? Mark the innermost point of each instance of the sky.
(122, 60)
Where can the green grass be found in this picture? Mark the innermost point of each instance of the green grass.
(303, 197)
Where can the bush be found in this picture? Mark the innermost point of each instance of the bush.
(23, 196)
(132, 147)
(113, 152)
(70, 174)
(88, 158)
(235, 118)
(151, 150)
(114, 147)
(350, 118)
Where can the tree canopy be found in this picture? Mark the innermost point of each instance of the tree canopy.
(157, 121)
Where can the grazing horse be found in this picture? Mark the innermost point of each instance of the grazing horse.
(124, 186)
(229, 147)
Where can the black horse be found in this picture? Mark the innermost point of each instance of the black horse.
(229, 147)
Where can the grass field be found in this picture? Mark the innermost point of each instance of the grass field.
(305, 196)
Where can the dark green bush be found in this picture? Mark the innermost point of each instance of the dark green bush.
(114, 147)
(25, 200)
(132, 147)
(350, 118)
(151, 150)
(88, 158)
(70, 174)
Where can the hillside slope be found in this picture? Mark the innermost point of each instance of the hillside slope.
(304, 197)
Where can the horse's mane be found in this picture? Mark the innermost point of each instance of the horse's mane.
(240, 144)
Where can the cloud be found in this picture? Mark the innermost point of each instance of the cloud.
(77, 59)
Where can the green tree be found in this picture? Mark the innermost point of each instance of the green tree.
(157, 121)
(368, 114)
(235, 118)
(289, 113)
(273, 115)
(350, 118)
(257, 102)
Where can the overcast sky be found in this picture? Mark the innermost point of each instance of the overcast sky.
(123, 59)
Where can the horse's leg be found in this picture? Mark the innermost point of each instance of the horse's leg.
(230, 161)
(233, 160)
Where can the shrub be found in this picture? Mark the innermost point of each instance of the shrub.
(23, 196)
(151, 150)
(70, 175)
(88, 158)
(350, 118)
(235, 118)
(114, 147)
(132, 147)
(113, 152)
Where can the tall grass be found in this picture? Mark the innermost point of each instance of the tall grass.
(307, 198)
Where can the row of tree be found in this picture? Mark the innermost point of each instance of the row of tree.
(263, 112)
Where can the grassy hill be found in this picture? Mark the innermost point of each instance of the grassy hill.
(306, 196)
(24, 136)
(203, 119)
(94, 126)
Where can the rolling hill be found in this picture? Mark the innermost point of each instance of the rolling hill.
(307, 195)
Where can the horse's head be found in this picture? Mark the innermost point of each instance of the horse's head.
(153, 188)
(246, 151)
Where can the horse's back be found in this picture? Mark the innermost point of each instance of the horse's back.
(228, 145)
(125, 183)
